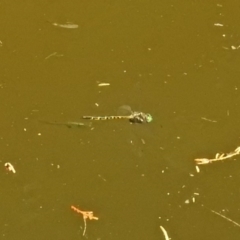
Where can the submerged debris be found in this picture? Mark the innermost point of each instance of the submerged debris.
(209, 120)
(54, 54)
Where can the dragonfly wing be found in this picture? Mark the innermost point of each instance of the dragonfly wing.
(124, 110)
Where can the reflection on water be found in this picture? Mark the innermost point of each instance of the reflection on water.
(68, 124)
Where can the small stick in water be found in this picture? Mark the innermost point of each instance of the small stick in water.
(165, 233)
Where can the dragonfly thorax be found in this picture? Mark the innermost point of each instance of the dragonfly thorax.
(140, 117)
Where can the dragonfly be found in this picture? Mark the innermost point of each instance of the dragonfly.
(68, 124)
(134, 117)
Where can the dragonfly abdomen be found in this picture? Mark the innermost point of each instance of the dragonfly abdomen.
(105, 117)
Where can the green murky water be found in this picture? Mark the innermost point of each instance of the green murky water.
(179, 61)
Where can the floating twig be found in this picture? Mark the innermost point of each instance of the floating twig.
(165, 233)
(228, 219)
(218, 157)
(86, 215)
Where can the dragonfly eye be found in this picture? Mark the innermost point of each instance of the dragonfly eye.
(149, 118)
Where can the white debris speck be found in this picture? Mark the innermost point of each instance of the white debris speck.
(9, 167)
(235, 48)
(218, 24)
(66, 25)
(103, 84)
(187, 201)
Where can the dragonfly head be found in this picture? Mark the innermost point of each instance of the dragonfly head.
(149, 118)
